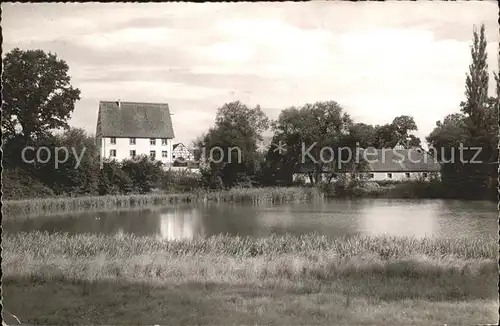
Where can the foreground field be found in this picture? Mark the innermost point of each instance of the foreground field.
(62, 279)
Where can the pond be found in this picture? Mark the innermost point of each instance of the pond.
(419, 218)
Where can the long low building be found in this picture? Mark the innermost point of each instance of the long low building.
(396, 164)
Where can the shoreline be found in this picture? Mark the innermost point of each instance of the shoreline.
(30, 208)
(13, 209)
(315, 278)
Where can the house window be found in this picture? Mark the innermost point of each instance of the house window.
(132, 153)
(389, 175)
(152, 155)
(113, 140)
(407, 174)
(152, 141)
(112, 152)
(164, 142)
(132, 141)
(164, 154)
(424, 174)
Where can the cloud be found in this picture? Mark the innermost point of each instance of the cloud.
(235, 51)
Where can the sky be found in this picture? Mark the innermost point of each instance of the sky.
(377, 60)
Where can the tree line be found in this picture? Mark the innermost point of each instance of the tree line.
(39, 99)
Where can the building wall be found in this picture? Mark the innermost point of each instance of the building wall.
(142, 147)
(377, 176)
(400, 176)
(182, 151)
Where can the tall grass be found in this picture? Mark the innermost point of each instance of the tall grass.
(358, 280)
(50, 206)
(41, 244)
(241, 259)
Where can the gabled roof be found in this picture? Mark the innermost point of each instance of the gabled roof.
(389, 160)
(400, 160)
(134, 119)
(174, 146)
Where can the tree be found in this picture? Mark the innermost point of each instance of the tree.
(476, 126)
(77, 166)
(362, 134)
(385, 136)
(480, 109)
(403, 125)
(482, 117)
(235, 134)
(37, 94)
(450, 132)
(398, 131)
(476, 82)
(312, 134)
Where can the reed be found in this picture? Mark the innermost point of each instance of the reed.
(358, 280)
(45, 257)
(53, 206)
(44, 245)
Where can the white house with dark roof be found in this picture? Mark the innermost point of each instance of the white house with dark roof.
(129, 129)
(388, 164)
(400, 164)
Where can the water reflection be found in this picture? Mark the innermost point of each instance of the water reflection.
(141, 223)
(240, 220)
(180, 224)
(396, 219)
(332, 219)
(419, 218)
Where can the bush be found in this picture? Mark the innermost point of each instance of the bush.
(181, 180)
(18, 184)
(211, 179)
(144, 174)
(418, 189)
(113, 180)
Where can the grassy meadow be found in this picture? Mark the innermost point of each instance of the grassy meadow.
(54, 206)
(311, 279)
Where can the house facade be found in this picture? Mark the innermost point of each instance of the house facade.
(400, 164)
(129, 129)
(181, 153)
(389, 164)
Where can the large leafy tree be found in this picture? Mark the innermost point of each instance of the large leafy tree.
(450, 132)
(313, 129)
(37, 94)
(236, 132)
(398, 131)
(362, 134)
